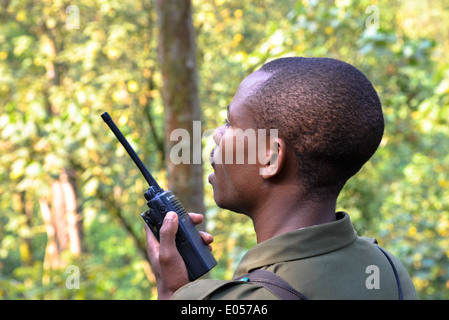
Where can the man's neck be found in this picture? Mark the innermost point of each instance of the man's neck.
(284, 212)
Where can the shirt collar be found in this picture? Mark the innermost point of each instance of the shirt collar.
(299, 244)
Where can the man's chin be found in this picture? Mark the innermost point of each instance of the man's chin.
(222, 201)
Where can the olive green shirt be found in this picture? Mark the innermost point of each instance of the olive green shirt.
(326, 261)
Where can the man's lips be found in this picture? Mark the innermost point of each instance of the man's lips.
(212, 163)
(211, 159)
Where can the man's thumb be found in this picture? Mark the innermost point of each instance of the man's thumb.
(167, 233)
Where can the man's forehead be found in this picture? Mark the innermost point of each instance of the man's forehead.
(252, 81)
(249, 85)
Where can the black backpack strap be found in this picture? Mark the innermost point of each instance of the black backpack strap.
(398, 282)
(273, 283)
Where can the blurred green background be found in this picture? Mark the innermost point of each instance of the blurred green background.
(70, 196)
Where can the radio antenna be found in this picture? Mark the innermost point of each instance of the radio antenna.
(107, 118)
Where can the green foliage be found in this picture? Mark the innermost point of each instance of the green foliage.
(56, 81)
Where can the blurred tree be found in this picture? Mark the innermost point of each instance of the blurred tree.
(177, 57)
(56, 159)
(59, 205)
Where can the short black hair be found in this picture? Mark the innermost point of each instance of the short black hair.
(327, 110)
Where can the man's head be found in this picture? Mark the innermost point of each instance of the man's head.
(328, 119)
(327, 111)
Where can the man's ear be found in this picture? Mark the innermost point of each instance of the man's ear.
(275, 159)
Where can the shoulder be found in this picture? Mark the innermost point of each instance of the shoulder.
(403, 278)
(359, 270)
(405, 282)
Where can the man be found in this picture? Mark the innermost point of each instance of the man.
(329, 122)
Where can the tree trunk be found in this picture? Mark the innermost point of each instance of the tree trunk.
(177, 57)
(62, 221)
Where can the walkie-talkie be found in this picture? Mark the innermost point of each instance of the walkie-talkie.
(193, 250)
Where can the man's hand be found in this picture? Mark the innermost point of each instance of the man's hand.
(167, 264)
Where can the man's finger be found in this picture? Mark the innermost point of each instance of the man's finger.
(152, 243)
(207, 238)
(153, 251)
(167, 236)
(196, 217)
